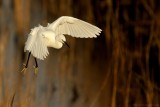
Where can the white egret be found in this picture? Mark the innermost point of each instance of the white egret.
(53, 36)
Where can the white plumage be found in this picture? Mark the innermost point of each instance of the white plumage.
(53, 35)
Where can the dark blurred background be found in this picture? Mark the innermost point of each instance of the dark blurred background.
(120, 68)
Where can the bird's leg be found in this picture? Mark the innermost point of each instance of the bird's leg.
(36, 67)
(26, 65)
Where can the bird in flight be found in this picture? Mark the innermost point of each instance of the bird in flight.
(53, 35)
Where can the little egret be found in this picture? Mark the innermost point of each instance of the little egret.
(53, 36)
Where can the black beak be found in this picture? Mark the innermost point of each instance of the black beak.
(66, 44)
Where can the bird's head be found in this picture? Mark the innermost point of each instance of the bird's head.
(62, 39)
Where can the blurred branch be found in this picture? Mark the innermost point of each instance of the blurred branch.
(104, 83)
(128, 82)
(11, 105)
(22, 18)
(148, 8)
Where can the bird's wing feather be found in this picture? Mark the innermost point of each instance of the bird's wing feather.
(74, 27)
(36, 44)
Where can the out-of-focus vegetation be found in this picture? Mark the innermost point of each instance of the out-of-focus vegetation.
(121, 68)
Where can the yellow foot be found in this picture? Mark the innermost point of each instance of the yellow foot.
(35, 70)
(24, 69)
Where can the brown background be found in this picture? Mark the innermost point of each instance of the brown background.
(121, 68)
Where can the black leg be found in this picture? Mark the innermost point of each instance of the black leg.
(28, 60)
(26, 65)
(36, 67)
(36, 63)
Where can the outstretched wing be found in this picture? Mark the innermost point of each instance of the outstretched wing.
(36, 44)
(74, 27)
